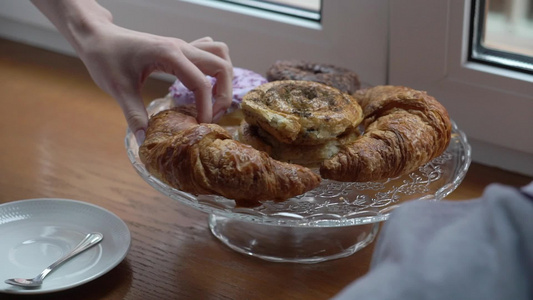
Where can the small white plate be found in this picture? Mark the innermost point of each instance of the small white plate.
(36, 232)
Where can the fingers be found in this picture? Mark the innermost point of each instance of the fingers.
(212, 58)
(190, 63)
(135, 113)
(204, 39)
(194, 79)
(219, 49)
(223, 89)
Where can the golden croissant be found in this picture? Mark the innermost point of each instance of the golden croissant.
(403, 129)
(204, 159)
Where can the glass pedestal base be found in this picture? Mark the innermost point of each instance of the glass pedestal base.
(291, 244)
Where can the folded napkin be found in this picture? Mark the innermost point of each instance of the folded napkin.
(475, 249)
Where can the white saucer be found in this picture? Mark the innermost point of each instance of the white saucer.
(36, 232)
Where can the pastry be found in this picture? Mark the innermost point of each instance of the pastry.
(403, 129)
(301, 112)
(337, 77)
(305, 155)
(204, 159)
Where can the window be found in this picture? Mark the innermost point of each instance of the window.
(429, 50)
(306, 9)
(502, 33)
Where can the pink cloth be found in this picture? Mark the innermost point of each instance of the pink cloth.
(243, 81)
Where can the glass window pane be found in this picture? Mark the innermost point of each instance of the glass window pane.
(509, 26)
(307, 9)
(502, 33)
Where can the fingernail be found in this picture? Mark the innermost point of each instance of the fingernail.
(218, 115)
(140, 135)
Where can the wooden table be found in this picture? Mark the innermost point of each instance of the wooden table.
(61, 137)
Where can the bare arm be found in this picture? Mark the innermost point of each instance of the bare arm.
(119, 59)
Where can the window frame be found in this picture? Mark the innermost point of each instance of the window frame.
(429, 51)
(477, 52)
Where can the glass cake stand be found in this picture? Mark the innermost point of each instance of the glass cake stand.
(332, 221)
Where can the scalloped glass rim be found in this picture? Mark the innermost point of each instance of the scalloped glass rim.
(332, 204)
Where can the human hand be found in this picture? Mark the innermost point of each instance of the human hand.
(119, 60)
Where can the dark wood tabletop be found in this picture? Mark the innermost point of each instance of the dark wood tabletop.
(62, 137)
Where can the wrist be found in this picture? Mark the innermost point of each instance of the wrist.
(85, 23)
(76, 20)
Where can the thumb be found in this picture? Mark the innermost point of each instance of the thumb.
(136, 116)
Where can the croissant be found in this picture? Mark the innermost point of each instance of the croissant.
(204, 159)
(403, 129)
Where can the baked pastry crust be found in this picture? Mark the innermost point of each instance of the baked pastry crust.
(404, 129)
(306, 155)
(334, 76)
(301, 112)
(204, 159)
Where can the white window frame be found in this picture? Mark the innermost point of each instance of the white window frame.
(494, 106)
